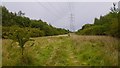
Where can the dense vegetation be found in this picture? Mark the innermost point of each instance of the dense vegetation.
(105, 25)
(17, 21)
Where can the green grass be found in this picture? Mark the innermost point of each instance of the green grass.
(0, 39)
(63, 51)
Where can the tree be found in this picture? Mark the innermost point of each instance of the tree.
(106, 25)
(21, 36)
(10, 19)
(96, 21)
(114, 9)
(86, 26)
(20, 13)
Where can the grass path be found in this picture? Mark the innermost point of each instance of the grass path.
(59, 55)
(72, 59)
(53, 54)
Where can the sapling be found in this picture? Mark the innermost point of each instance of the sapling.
(21, 36)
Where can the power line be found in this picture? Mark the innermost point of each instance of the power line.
(48, 13)
(58, 12)
(53, 14)
(54, 8)
(72, 19)
(56, 17)
(48, 9)
(62, 14)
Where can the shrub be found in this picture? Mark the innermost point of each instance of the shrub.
(34, 32)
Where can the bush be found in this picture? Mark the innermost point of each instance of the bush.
(34, 32)
(94, 30)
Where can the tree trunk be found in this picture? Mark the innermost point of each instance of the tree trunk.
(22, 51)
(22, 56)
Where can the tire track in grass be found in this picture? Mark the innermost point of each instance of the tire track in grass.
(62, 53)
(44, 50)
(58, 57)
(72, 60)
(49, 61)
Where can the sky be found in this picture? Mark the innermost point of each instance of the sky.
(58, 13)
(60, 0)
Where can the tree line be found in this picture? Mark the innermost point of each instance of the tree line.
(17, 21)
(108, 24)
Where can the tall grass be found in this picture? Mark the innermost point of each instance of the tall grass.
(96, 50)
(63, 51)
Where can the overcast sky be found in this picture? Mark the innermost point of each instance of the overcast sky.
(58, 13)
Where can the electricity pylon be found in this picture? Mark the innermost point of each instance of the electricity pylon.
(72, 20)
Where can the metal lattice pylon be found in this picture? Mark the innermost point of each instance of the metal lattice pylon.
(72, 18)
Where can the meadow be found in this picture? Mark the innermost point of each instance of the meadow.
(75, 50)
